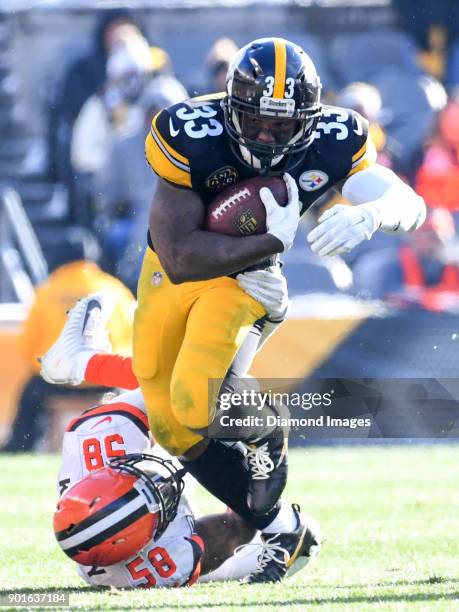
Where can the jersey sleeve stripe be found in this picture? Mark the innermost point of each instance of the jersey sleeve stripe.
(163, 166)
(165, 152)
(132, 413)
(364, 158)
(358, 160)
(198, 546)
(360, 152)
(167, 148)
(280, 68)
(362, 165)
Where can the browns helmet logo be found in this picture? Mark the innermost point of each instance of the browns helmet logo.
(246, 222)
(222, 178)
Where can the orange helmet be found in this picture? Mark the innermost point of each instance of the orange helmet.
(113, 512)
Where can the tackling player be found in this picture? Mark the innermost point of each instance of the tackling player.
(119, 427)
(270, 121)
(128, 525)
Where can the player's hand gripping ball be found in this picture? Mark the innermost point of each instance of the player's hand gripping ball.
(239, 211)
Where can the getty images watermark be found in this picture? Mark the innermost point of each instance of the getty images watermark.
(34, 598)
(334, 408)
(261, 401)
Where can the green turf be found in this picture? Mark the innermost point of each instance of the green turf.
(390, 515)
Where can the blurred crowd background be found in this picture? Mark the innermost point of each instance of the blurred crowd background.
(79, 85)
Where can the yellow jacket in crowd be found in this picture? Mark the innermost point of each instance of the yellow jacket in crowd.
(58, 294)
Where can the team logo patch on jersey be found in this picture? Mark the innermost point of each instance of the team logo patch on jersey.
(222, 178)
(312, 180)
(156, 278)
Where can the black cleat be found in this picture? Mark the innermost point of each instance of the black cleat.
(268, 465)
(284, 554)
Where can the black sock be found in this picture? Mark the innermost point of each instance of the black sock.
(224, 472)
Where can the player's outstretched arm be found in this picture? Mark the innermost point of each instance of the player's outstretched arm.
(187, 252)
(381, 201)
(222, 534)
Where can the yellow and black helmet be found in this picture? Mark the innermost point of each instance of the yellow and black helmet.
(272, 82)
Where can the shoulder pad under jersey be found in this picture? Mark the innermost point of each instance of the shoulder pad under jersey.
(179, 137)
(343, 133)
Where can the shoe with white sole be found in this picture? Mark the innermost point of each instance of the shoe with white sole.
(284, 554)
(83, 335)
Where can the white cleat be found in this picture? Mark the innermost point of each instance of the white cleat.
(83, 335)
(284, 554)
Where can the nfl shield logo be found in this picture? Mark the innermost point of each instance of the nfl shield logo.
(156, 278)
(246, 222)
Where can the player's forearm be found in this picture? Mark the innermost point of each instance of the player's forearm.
(187, 252)
(204, 255)
(222, 533)
(398, 206)
(109, 370)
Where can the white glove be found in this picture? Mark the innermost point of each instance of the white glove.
(282, 221)
(269, 287)
(342, 227)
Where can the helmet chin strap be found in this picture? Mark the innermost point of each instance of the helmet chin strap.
(252, 159)
(247, 156)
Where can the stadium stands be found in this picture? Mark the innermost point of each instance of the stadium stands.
(349, 41)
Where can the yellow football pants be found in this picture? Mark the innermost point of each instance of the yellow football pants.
(185, 335)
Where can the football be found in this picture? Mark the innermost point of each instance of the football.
(238, 209)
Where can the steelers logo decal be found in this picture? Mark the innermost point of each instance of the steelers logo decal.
(312, 180)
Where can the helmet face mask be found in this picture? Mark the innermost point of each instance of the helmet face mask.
(272, 104)
(161, 491)
(113, 512)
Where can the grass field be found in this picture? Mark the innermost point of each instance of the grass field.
(390, 516)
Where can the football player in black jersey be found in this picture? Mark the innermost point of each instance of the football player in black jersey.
(192, 315)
